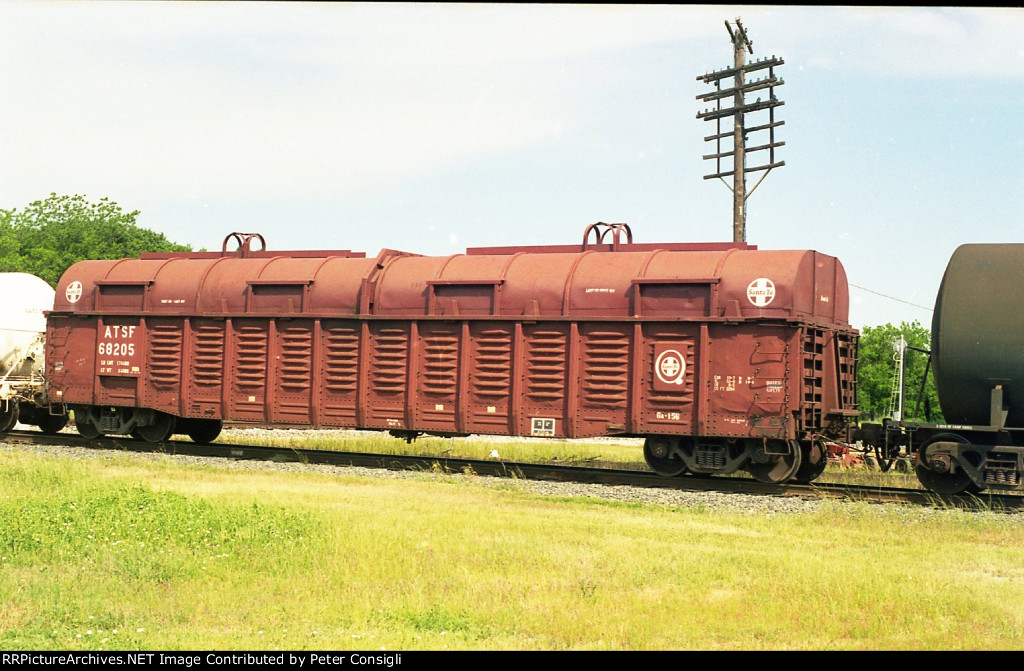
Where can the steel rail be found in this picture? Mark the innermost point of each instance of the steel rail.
(532, 471)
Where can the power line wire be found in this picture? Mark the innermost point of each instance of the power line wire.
(892, 298)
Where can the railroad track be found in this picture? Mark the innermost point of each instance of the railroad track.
(531, 471)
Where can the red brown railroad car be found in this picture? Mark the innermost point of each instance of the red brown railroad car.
(722, 356)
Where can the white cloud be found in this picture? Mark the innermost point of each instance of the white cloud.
(925, 42)
(251, 99)
(265, 99)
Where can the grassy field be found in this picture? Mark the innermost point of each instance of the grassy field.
(625, 451)
(140, 554)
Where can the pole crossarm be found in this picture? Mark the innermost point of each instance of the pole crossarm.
(737, 89)
(750, 150)
(752, 129)
(748, 67)
(743, 109)
(758, 168)
(756, 85)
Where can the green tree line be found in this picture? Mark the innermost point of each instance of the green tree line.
(876, 368)
(49, 235)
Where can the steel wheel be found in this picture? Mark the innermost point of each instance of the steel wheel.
(943, 484)
(203, 431)
(8, 416)
(158, 431)
(775, 468)
(87, 430)
(51, 424)
(656, 454)
(813, 462)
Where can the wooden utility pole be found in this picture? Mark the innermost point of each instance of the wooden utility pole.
(741, 46)
(739, 178)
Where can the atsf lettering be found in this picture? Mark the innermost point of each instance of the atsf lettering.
(118, 343)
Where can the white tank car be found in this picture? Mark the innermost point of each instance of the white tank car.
(23, 300)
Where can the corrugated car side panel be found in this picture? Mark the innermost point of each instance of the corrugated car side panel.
(165, 343)
(339, 357)
(750, 389)
(545, 356)
(121, 351)
(489, 377)
(670, 379)
(207, 359)
(293, 375)
(249, 344)
(603, 387)
(437, 372)
(386, 371)
(71, 357)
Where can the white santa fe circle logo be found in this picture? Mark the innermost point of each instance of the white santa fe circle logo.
(670, 367)
(761, 292)
(74, 291)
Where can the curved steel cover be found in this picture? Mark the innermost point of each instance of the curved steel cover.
(734, 284)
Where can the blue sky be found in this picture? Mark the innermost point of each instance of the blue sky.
(433, 127)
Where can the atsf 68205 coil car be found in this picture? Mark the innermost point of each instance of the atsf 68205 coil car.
(722, 356)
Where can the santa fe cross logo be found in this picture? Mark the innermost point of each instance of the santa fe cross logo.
(670, 367)
(74, 291)
(761, 292)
